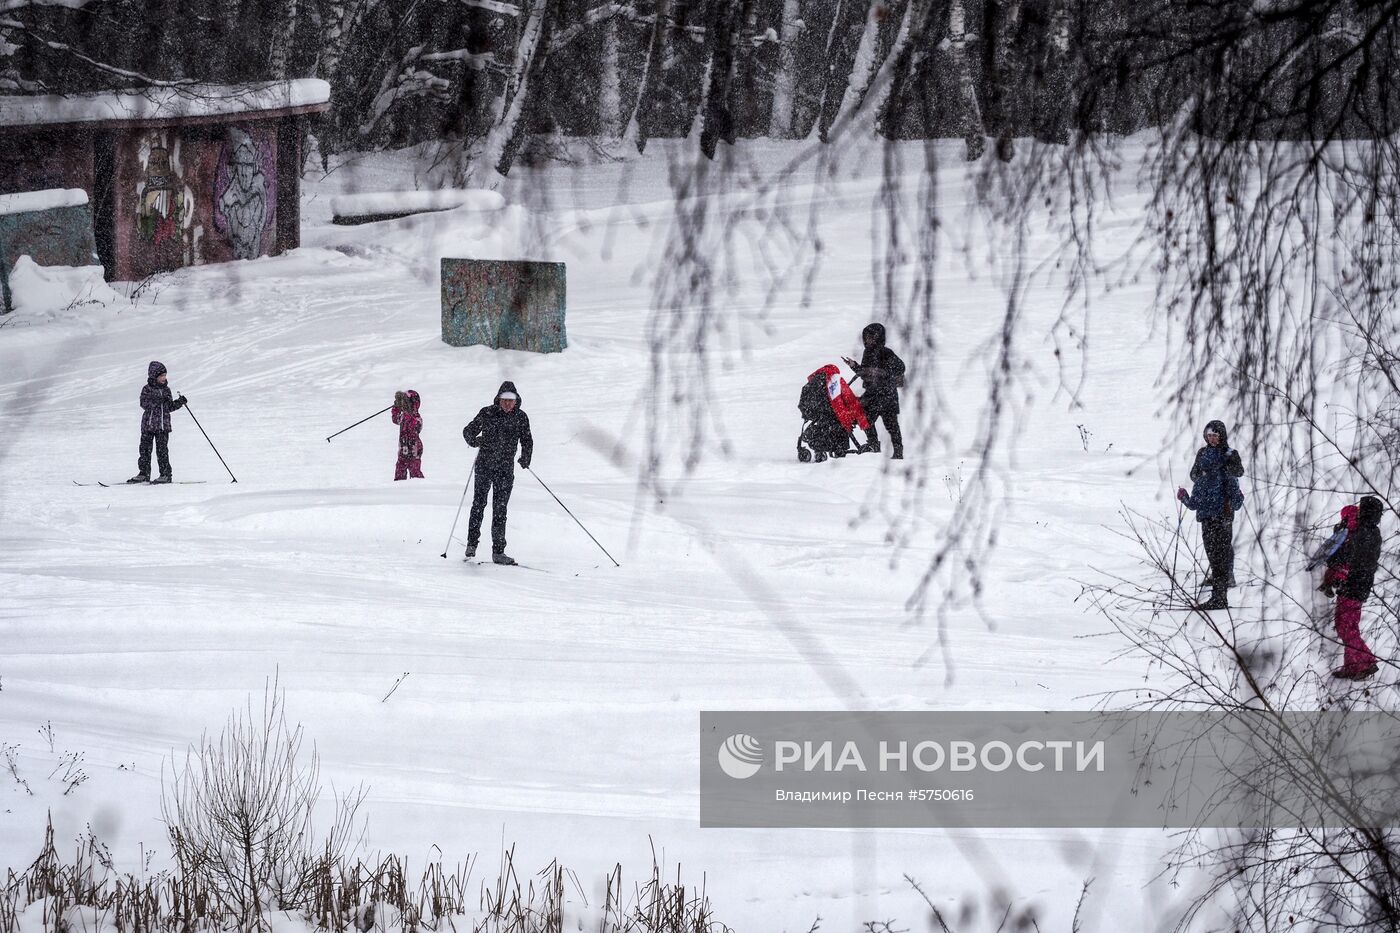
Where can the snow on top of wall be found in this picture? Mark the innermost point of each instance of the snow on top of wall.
(163, 103)
(371, 203)
(42, 200)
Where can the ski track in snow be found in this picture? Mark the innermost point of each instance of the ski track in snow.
(557, 710)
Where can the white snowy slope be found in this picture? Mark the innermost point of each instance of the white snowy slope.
(555, 708)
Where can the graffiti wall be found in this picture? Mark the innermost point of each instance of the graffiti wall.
(191, 195)
(504, 304)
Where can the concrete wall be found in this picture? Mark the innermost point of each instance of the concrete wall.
(58, 236)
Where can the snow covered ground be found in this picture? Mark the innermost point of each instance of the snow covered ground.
(553, 708)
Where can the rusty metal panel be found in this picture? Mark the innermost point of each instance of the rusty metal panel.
(504, 304)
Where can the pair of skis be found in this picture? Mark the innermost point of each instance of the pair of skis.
(176, 482)
(481, 563)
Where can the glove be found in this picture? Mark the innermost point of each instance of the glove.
(1181, 493)
(181, 402)
(524, 464)
(1326, 589)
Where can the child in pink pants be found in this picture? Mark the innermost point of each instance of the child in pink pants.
(405, 415)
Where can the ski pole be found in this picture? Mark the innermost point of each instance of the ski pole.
(211, 443)
(446, 547)
(572, 515)
(358, 423)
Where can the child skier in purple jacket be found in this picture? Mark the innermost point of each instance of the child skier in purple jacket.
(405, 415)
(156, 406)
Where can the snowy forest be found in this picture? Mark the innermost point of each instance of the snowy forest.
(1117, 247)
(408, 72)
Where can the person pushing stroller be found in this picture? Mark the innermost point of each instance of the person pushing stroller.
(881, 372)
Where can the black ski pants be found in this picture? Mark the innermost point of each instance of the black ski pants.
(875, 411)
(161, 441)
(1217, 535)
(498, 483)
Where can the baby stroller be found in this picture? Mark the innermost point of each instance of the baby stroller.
(829, 412)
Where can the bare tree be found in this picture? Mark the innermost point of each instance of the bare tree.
(239, 812)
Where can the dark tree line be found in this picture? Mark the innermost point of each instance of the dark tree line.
(409, 71)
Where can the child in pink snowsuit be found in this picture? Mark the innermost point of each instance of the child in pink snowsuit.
(405, 415)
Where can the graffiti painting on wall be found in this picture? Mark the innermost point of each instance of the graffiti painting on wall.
(164, 203)
(245, 188)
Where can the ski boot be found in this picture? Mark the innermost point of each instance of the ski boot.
(1217, 601)
(501, 557)
(140, 478)
(161, 479)
(1354, 673)
(471, 551)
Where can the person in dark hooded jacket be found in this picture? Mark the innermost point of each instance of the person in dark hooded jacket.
(496, 431)
(1215, 497)
(881, 372)
(156, 406)
(1351, 572)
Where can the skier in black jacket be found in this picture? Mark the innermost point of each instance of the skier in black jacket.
(156, 406)
(495, 432)
(881, 372)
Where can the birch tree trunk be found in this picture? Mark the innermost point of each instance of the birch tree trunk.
(1003, 19)
(653, 75)
(724, 37)
(974, 132)
(785, 81)
(340, 20)
(903, 61)
(610, 90)
(831, 55)
(854, 82)
(863, 69)
(282, 40)
(497, 152)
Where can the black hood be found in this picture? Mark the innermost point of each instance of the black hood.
(509, 386)
(1371, 511)
(154, 370)
(876, 331)
(1219, 428)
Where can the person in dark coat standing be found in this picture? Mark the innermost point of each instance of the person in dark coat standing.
(1351, 572)
(881, 373)
(156, 406)
(1215, 497)
(495, 432)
